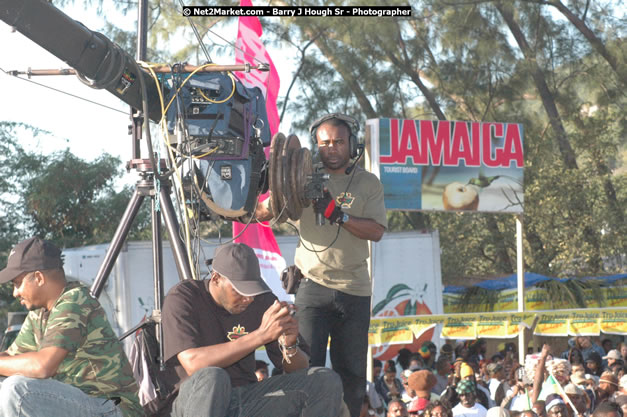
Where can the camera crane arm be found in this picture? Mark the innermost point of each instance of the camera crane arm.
(92, 54)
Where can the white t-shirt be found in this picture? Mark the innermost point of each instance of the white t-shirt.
(493, 385)
(476, 410)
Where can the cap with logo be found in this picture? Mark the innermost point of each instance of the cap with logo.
(238, 263)
(34, 254)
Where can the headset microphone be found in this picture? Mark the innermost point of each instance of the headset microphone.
(360, 150)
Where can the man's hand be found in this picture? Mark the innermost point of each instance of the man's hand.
(326, 205)
(546, 350)
(277, 321)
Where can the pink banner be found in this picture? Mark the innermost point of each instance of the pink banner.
(250, 49)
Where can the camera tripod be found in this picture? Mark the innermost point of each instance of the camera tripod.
(145, 187)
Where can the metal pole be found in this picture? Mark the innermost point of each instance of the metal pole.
(520, 272)
(118, 240)
(178, 248)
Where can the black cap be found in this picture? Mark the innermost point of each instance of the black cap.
(238, 263)
(34, 254)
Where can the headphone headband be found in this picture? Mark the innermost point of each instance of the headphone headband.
(350, 121)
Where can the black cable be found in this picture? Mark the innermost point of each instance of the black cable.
(66, 93)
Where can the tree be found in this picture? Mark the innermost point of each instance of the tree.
(59, 197)
(562, 78)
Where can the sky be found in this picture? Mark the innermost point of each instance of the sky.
(86, 129)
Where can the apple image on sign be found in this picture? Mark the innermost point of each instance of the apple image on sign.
(458, 196)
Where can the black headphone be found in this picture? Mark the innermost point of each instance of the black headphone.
(353, 127)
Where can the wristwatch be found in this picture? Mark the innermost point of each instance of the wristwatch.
(343, 219)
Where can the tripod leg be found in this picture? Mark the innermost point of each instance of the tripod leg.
(157, 262)
(178, 248)
(116, 243)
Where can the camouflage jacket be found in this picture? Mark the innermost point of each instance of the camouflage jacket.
(96, 363)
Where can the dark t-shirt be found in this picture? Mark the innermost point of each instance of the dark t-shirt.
(192, 319)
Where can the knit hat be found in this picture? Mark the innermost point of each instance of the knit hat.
(465, 371)
(422, 382)
(465, 386)
(552, 400)
(424, 352)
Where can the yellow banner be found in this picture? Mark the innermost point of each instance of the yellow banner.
(552, 324)
(492, 326)
(614, 322)
(518, 321)
(584, 324)
(459, 328)
(399, 330)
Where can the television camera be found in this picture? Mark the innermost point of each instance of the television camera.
(212, 118)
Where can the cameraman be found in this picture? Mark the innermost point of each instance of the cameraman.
(334, 296)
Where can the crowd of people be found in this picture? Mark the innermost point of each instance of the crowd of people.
(587, 379)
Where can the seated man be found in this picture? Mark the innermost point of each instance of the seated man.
(211, 331)
(66, 360)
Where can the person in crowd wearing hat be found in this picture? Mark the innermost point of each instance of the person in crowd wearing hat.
(428, 351)
(579, 380)
(211, 331)
(463, 371)
(612, 357)
(608, 409)
(468, 406)
(421, 384)
(578, 399)
(389, 386)
(66, 357)
(417, 407)
(608, 385)
(555, 406)
(482, 393)
(396, 408)
(335, 293)
(497, 385)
